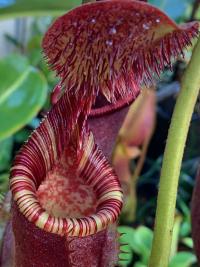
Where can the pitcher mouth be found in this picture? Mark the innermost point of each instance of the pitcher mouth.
(40, 156)
(103, 107)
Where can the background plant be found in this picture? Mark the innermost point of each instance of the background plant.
(31, 79)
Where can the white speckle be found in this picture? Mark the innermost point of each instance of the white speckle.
(157, 20)
(74, 24)
(93, 21)
(137, 14)
(119, 21)
(145, 26)
(109, 42)
(112, 31)
(70, 44)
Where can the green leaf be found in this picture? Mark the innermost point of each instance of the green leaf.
(175, 235)
(23, 91)
(187, 242)
(34, 52)
(127, 234)
(141, 244)
(34, 49)
(183, 259)
(185, 229)
(126, 237)
(19, 8)
(5, 153)
(4, 181)
(22, 135)
(139, 264)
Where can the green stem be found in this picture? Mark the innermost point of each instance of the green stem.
(172, 162)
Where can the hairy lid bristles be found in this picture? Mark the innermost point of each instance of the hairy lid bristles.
(113, 47)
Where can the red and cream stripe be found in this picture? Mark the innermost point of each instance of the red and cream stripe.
(38, 156)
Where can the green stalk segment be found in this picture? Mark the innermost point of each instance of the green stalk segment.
(173, 155)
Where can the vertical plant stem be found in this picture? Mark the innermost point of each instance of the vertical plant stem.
(172, 162)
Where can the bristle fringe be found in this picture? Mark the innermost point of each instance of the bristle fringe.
(113, 60)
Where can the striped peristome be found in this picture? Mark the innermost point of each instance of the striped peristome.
(39, 155)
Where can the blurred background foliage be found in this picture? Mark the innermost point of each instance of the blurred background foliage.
(25, 86)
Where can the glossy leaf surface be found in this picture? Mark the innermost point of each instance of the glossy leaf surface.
(22, 94)
(3, 183)
(5, 153)
(183, 259)
(142, 242)
(126, 237)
